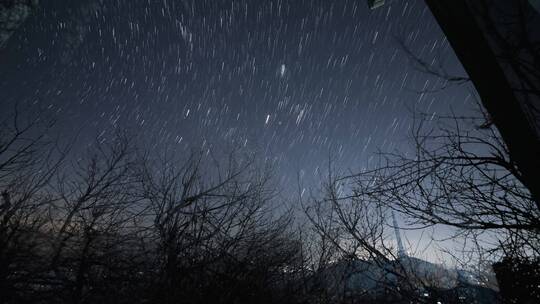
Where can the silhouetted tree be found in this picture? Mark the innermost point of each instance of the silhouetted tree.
(115, 225)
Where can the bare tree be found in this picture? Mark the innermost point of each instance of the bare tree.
(213, 229)
(461, 177)
(458, 174)
(29, 159)
(116, 226)
(90, 219)
(365, 265)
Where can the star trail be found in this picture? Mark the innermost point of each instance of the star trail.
(295, 81)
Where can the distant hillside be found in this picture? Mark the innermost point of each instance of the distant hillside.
(373, 279)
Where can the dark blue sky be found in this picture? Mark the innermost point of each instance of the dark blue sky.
(294, 80)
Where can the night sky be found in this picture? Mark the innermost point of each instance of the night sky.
(293, 80)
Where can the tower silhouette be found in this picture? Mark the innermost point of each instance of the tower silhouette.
(401, 250)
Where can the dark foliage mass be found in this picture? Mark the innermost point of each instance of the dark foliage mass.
(12, 15)
(519, 279)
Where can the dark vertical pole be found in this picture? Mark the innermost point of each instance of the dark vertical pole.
(479, 60)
